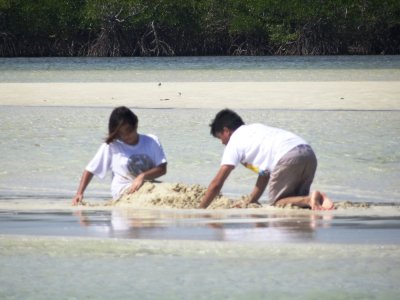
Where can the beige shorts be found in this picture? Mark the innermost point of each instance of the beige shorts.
(293, 174)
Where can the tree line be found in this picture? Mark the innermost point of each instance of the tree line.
(198, 27)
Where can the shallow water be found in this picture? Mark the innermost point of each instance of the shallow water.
(63, 268)
(369, 226)
(44, 149)
(346, 254)
(186, 69)
(49, 250)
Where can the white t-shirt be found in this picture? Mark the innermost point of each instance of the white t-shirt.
(126, 161)
(259, 147)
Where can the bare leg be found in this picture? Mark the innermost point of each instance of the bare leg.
(300, 201)
(316, 201)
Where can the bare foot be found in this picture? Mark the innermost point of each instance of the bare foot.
(320, 201)
(316, 200)
(327, 204)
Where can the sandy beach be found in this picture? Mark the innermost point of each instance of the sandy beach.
(336, 95)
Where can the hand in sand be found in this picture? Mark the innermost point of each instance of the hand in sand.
(77, 199)
(244, 203)
(240, 204)
(136, 184)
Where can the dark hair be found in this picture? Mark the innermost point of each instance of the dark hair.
(120, 116)
(225, 118)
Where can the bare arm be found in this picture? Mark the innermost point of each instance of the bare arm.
(259, 188)
(216, 185)
(150, 174)
(85, 180)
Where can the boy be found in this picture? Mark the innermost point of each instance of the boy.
(282, 159)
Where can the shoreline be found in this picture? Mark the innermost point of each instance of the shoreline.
(354, 226)
(337, 95)
(342, 208)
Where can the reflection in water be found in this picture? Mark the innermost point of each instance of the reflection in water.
(188, 225)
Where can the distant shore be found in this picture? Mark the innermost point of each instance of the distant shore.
(332, 95)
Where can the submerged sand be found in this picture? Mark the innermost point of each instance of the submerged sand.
(340, 95)
(175, 195)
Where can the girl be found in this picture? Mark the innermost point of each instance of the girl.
(131, 157)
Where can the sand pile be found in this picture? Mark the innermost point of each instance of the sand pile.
(175, 195)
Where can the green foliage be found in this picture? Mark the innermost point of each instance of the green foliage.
(41, 18)
(198, 27)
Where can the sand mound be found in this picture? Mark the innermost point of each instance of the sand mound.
(175, 195)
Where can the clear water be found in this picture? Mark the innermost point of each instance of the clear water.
(90, 254)
(44, 149)
(362, 227)
(187, 69)
(43, 268)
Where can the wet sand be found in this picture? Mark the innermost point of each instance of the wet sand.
(332, 95)
(336, 95)
(176, 195)
(168, 211)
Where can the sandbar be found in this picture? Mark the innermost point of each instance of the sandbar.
(324, 95)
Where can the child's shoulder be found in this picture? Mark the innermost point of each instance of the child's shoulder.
(150, 138)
